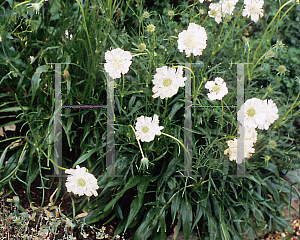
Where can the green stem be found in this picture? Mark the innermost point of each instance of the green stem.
(222, 120)
(179, 143)
(254, 56)
(166, 107)
(85, 28)
(215, 51)
(39, 149)
(138, 141)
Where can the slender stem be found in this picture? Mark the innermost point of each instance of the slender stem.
(138, 142)
(122, 93)
(179, 143)
(215, 51)
(85, 28)
(222, 120)
(166, 107)
(35, 145)
(254, 56)
(272, 88)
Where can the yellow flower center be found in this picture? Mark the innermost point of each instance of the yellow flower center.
(118, 63)
(216, 88)
(251, 112)
(167, 82)
(145, 129)
(191, 41)
(81, 182)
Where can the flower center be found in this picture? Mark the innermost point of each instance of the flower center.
(254, 8)
(167, 82)
(216, 88)
(145, 129)
(81, 182)
(118, 63)
(251, 112)
(190, 41)
(213, 12)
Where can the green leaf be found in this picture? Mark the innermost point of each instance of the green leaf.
(138, 201)
(134, 209)
(13, 109)
(187, 218)
(84, 157)
(199, 213)
(224, 230)
(175, 206)
(130, 184)
(35, 81)
(174, 110)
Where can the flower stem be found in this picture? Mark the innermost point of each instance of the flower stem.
(266, 31)
(166, 107)
(138, 142)
(179, 143)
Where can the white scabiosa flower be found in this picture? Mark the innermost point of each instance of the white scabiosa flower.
(228, 6)
(81, 182)
(253, 9)
(217, 89)
(167, 82)
(192, 40)
(117, 61)
(272, 114)
(252, 113)
(147, 128)
(232, 149)
(247, 133)
(215, 11)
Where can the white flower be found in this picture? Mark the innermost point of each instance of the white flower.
(68, 35)
(151, 28)
(247, 133)
(145, 163)
(232, 150)
(228, 6)
(254, 9)
(272, 114)
(192, 40)
(31, 59)
(11, 127)
(81, 182)
(215, 11)
(117, 61)
(146, 14)
(35, 6)
(254, 113)
(167, 81)
(217, 89)
(147, 128)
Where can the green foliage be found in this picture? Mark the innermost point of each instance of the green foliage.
(213, 201)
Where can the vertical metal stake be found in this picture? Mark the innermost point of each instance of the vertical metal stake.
(110, 154)
(240, 101)
(57, 121)
(188, 123)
